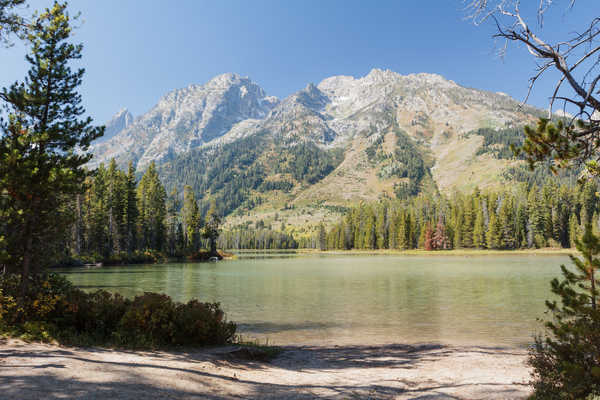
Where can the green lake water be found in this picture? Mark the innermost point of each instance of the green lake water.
(329, 299)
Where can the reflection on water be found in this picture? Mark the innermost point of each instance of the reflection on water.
(289, 299)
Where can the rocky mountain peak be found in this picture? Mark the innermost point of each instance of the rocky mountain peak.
(120, 121)
(187, 118)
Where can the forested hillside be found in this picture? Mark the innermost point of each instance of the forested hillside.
(237, 175)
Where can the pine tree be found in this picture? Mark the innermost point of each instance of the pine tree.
(412, 225)
(521, 226)
(589, 201)
(479, 230)
(428, 238)
(152, 209)
(403, 234)
(458, 230)
(467, 223)
(565, 362)
(212, 227)
(173, 206)
(506, 221)
(41, 171)
(369, 230)
(192, 221)
(440, 240)
(380, 228)
(574, 231)
(536, 218)
(131, 210)
(494, 233)
(322, 238)
(392, 233)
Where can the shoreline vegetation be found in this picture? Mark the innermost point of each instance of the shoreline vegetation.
(453, 252)
(232, 254)
(146, 258)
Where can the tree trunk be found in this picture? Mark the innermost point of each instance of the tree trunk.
(593, 290)
(26, 263)
(213, 246)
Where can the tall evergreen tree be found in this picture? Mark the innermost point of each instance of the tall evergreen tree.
(43, 145)
(440, 238)
(479, 230)
(212, 227)
(506, 221)
(174, 246)
(192, 221)
(574, 230)
(151, 197)
(565, 363)
(380, 227)
(131, 211)
(404, 226)
(494, 233)
(468, 220)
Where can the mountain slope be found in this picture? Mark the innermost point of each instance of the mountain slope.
(326, 146)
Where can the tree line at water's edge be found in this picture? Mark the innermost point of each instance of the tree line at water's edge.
(118, 219)
(552, 215)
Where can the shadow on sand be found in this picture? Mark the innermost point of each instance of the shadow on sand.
(38, 371)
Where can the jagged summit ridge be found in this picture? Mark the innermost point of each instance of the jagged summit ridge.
(187, 118)
(120, 121)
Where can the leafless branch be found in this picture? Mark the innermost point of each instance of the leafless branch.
(576, 58)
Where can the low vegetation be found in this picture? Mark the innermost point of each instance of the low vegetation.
(53, 310)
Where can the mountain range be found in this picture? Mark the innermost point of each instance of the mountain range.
(299, 159)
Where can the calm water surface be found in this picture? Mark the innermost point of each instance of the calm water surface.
(486, 300)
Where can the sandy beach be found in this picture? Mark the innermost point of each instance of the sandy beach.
(427, 371)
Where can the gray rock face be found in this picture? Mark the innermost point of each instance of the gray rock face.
(187, 118)
(301, 117)
(119, 122)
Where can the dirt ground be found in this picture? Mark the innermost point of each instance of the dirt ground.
(428, 371)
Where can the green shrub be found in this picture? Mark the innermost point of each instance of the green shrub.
(204, 322)
(95, 314)
(148, 321)
(45, 295)
(53, 309)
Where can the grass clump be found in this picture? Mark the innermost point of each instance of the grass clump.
(254, 350)
(53, 310)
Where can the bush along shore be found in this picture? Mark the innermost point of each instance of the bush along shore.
(142, 257)
(51, 309)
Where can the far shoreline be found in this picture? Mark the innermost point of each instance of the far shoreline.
(232, 254)
(548, 251)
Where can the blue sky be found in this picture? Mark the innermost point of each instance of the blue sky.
(136, 51)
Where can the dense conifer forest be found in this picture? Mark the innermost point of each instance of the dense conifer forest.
(551, 215)
(118, 218)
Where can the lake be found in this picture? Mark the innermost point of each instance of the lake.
(356, 299)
